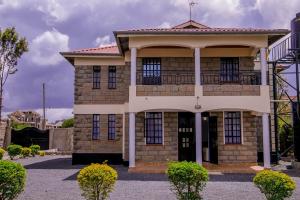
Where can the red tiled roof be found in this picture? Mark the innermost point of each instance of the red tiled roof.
(99, 50)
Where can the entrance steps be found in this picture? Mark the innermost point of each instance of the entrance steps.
(161, 167)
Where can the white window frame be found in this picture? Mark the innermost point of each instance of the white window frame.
(242, 127)
(163, 128)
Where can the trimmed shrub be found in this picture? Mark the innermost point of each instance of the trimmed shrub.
(14, 150)
(274, 185)
(12, 179)
(25, 152)
(187, 179)
(2, 152)
(96, 181)
(42, 153)
(35, 149)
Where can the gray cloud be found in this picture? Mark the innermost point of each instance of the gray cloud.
(83, 22)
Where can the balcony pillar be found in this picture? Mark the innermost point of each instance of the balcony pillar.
(264, 66)
(266, 140)
(133, 67)
(197, 66)
(198, 124)
(131, 139)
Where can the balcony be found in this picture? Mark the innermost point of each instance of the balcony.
(208, 77)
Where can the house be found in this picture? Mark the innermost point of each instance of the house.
(190, 92)
(30, 118)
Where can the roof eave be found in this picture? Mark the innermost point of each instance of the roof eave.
(128, 33)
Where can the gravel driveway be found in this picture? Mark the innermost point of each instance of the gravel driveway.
(54, 178)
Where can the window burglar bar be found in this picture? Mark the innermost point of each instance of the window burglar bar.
(96, 127)
(112, 78)
(232, 121)
(153, 128)
(111, 127)
(96, 77)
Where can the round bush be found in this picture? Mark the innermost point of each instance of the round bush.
(25, 152)
(187, 179)
(35, 149)
(274, 185)
(2, 152)
(14, 150)
(97, 181)
(42, 153)
(12, 179)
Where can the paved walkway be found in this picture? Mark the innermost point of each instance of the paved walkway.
(53, 177)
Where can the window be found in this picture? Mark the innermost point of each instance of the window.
(112, 79)
(229, 70)
(232, 127)
(96, 127)
(111, 127)
(96, 77)
(153, 128)
(151, 71)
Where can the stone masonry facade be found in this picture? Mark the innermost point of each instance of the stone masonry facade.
(165, 90)
(85, 94)
(239, 153)
(83, 142)
(231, 90)
(227, 153)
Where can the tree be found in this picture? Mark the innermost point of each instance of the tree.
(11, 49)
(68, 123)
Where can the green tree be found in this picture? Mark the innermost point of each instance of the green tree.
(12, 46)
(68, 123)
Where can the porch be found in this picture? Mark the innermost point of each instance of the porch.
(218, 139)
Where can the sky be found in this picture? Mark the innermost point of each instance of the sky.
(52, 26)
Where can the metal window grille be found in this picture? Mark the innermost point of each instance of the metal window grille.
(232, 121)
(112, 77)
(151, 71)
(96, 127)
(229, 70)
(96, 77)
(153, 128)
(111, 127)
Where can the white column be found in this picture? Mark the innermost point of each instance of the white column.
(263, 66)
(133, 67)
(131, 139)
(266, 140)
(197, 66)
(198, 123)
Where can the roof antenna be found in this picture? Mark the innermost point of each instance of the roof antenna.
(191, 4)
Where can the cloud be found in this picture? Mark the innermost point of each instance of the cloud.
(165, 25)
(45, 48)
(103, 41)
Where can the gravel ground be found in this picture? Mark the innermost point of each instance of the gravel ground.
(54, 178)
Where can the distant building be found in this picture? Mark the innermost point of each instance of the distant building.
(30, 118)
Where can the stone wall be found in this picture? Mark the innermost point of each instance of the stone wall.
(238, 153)
(61, 139)
(158, 153)
(231, 90)
(165, 90)
(85, 94)
(83, 142)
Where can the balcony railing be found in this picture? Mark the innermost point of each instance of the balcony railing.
(187, 77)
(217, 77)
(165, 77)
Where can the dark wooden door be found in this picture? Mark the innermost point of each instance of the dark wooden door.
(213, 140)
(186, 137)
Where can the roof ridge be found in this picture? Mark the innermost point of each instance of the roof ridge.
(95, 48)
